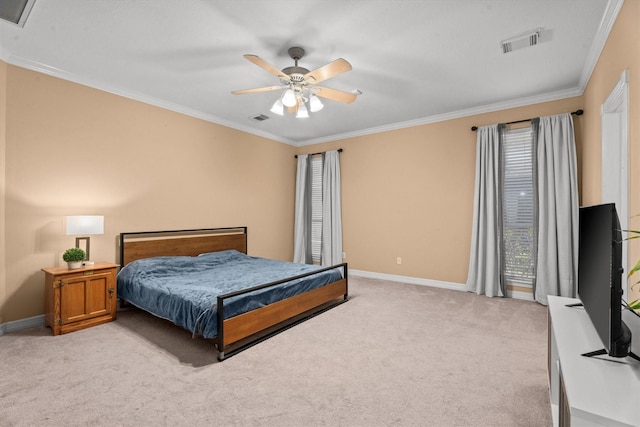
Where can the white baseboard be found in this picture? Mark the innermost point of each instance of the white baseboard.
(520, 295)
(408, 279)
(37, 321)
(428, 282)
(19, 325)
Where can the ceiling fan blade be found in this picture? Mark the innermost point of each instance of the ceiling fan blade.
(328, 71)
(256, 90)
(336, 95)
(265, 65)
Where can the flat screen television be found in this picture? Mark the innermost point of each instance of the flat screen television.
(600, 277)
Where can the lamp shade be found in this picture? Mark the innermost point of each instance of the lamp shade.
(85, 224)
(289, 98)
(315, 104)
(278, 107)
(302, 112)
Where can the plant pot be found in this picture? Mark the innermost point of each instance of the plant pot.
(74, 265)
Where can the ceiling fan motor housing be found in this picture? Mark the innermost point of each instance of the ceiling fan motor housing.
(296, 73)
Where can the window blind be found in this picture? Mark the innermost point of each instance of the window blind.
(316, 208)
(519, 232)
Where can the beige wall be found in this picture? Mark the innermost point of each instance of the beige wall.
(71, 150)
(409, 193)
(3, 133)
(622, 51)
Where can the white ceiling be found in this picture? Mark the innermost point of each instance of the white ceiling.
(415, 61)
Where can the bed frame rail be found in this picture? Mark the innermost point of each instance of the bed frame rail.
(281, 315)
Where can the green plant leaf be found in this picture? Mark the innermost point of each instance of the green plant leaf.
(635, 304)
(73, 255)
(634, 269)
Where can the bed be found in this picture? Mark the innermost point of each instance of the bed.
(204, 281)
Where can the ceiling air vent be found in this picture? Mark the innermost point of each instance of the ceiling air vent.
(15, 11)
(260, 118)
(528, 39)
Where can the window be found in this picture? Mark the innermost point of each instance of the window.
(519, 232)
(316, 208)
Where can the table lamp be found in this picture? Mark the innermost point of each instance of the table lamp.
(85, 225)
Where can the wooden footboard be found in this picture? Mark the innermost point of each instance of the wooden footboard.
(247, 324)
(279, 314)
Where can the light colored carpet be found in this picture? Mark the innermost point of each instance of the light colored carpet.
(395, 354)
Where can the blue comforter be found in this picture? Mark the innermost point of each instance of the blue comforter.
(183, 289)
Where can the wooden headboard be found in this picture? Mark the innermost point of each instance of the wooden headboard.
(147, 244)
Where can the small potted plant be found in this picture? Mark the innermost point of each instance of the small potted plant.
(635, 304)
(73, 257)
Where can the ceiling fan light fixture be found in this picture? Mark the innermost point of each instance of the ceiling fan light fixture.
(289, 98)
(278, 107)
(302, 112)
(299, 85)
(315, 104)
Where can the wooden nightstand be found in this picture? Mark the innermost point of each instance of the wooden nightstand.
(79, 299)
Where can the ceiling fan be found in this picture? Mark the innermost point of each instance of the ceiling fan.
(299, 91)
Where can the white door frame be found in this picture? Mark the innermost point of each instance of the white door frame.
(615, 157)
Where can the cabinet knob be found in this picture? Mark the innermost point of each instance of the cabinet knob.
(111, 290)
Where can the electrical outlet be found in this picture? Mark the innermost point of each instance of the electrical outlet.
(344, 255)
(399, 260)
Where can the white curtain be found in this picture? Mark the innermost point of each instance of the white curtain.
(302, 227)
(484, 276)
(557, 266)
(331, 210)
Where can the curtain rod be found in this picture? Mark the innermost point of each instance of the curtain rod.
(577, 113)
(322, 152)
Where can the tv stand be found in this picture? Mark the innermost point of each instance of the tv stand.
(603, 352)
(586, 390)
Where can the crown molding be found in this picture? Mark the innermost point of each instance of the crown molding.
(65, 75)
(136, 96)
(606, 24)
(489, 108)
(611, 13)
